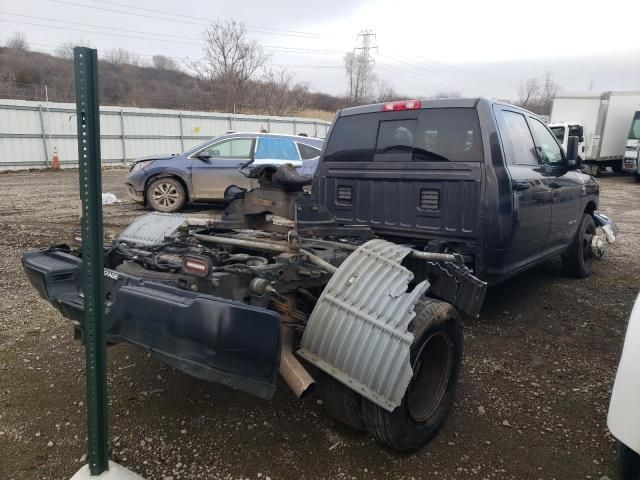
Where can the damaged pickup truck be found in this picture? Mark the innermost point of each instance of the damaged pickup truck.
(415, 207)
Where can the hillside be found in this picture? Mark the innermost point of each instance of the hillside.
(24, 74)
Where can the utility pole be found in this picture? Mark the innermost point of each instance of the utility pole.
(362, 68)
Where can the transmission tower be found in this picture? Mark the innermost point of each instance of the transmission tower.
(364, 63)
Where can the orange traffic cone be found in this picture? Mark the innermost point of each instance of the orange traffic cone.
(55, 161)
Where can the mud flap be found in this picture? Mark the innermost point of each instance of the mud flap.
(358, 330)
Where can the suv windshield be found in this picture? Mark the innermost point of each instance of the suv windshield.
(431, 135)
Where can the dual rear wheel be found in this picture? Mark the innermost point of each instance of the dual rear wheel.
(436, 355)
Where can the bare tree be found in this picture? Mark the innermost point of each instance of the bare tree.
(7, 84)
(122, 56)
(386, 92)
(538, 96)
(280, 95)
(548, 93)
(360, 77)
(162, 62)
(65, 50)
(528, 92)
(18, 41)
(231, 61)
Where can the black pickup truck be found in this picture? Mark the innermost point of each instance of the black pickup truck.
(477, 177)
(415, 207)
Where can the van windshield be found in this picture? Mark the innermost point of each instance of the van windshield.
(634, 133)
(426, 135)
(559, 133)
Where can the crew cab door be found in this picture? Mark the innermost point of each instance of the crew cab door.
(564, 185)
(211, 177)
(531, 195)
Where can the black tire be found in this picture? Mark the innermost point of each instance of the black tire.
(628, 463)
(636, 176)
(438, 339)
(166, 195)
(578, 260)
(340, 401)
(617, 167)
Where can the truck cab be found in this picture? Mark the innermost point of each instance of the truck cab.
(564, 130)
(632, 149)
(484, 179)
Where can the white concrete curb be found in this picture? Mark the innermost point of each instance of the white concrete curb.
(115, 472)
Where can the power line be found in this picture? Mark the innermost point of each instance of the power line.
(421, 69)
(393, 71)
(176, 39)
(164, 12)
(171, 20)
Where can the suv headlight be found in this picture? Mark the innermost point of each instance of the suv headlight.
(140, 165)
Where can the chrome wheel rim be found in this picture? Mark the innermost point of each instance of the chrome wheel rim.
(165, 194)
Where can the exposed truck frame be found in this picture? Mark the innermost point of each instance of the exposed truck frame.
(231, 301)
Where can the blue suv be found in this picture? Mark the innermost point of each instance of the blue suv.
(209, 172)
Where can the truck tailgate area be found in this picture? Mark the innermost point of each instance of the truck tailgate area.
(438, 200)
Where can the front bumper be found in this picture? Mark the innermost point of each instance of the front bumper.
(205, 336)
(135, 195)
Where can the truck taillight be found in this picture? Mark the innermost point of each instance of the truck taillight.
(198, 266)
(403, 105)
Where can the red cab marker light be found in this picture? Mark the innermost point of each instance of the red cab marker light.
(198, 266)
(403, 105)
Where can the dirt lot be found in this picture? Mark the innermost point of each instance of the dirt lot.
(532, 401)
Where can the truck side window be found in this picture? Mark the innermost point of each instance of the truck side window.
(516, 138)
(548, 149)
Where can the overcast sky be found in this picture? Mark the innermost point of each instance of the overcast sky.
(423, 46)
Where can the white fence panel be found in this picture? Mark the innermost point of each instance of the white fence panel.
(30, 131)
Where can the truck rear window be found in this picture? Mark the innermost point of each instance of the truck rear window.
(430, 135)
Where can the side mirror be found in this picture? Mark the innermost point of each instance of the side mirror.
(204, 156)
(572, 152)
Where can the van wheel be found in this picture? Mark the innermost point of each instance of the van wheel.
(166, 195)
(340, 401)
(636, 176)
(578, 260)
(616, 166)
(628, 463)
(436, 355)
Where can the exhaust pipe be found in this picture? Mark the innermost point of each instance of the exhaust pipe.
(292, 371)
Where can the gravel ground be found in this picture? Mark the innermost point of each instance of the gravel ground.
(532, 399)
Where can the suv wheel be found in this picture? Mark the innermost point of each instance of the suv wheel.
(166, 195)
(578, 260)
(436, 355)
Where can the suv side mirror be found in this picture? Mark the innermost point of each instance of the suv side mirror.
(572, 152)
(204, 156)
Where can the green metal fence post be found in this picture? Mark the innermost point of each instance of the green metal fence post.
(88, 115)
